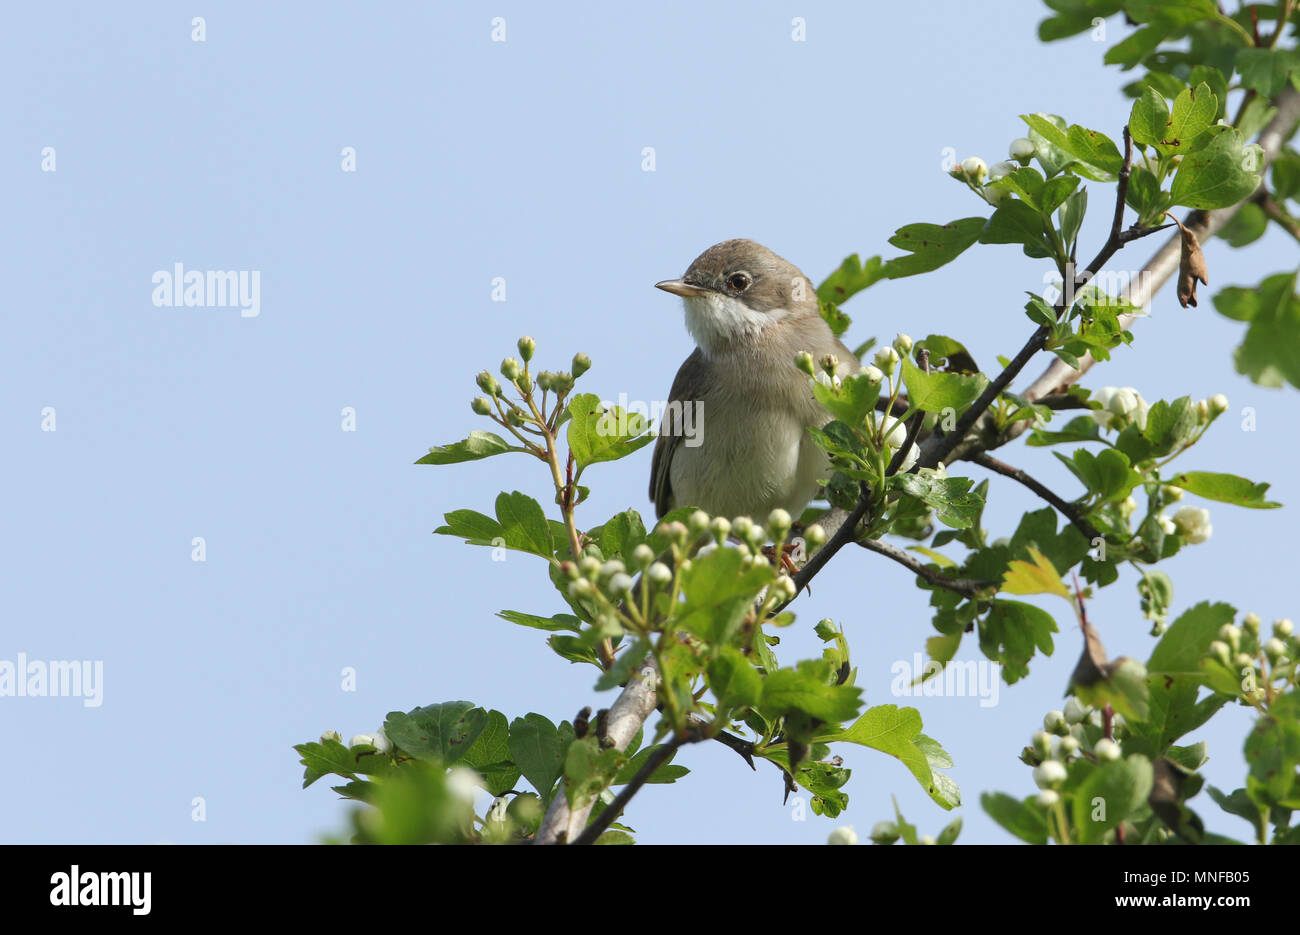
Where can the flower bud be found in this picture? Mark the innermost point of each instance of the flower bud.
(1043, 744)
(1021, 150)
(620, 583)
(742, 526)
(815, 537)
(1075, 710)
(1245, 661)
(488, 383)
(1049, 773)
(580, 588)
(804, 361)
(561, 382)
(843, 835)
(783, 587)
(589, 565)
(545, 381)
(873, 375)
(1202, 412)
(463, 782)
(581, 364)
(570, 570)
(926, 839)
(1250, 623)
(1048, 798)
(611, 568)
(829, 363)
(1001, 170)
(659, 573)
(975, 169)
(481, 405)
(331, 735)
(1218, 405)
(1054, 723)
(1166, 525)
(1068, 747)
(903, 344)
(1221, 651)
(778, 523)
(361, 740)
(1193, 523)
(887, 360)
(643, 555)
(720, 527)
(1231, 635)
(382, 743)
(1106, 750)
(526, 347)
(1275, 649)
(884, 832)
(1282, 628)
(511, 368)
(697, 522)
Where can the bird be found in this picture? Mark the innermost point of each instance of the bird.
(750, 313)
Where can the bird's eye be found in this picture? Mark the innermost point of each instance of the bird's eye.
(738, 281)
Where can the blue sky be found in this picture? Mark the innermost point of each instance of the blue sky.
(523, 160)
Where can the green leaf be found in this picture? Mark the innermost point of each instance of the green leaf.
(1106, 474)
(1270, 353)
(807, 689)
(1087, 152)
(599, 434)
(1195, 110)
(896, 731)
(719, 592)
(440, 732)
(489, 755)
(1078, 429)
(520, 525)
(1225, 488)
(477, 445)
(1033, 577)
(557, 622)
(330, 756)
(936, 391)
(1246, 226)
(1112, 792)
(1123, 687)
(588, 769)
(1267, 71)
(734, 681)
(1220, 175)
(666, 773)
(537, 746)
(1017, 222)
(1011, 632)
(1149, 119)
(951, 498)
(931, 246)
(1273, 748)
(1072, 215)
(621, 535)
(1023, 819)
(850, 278)
(855, 397)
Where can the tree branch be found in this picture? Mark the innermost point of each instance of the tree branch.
(1067, 509)
(615, 808)
(965, 586)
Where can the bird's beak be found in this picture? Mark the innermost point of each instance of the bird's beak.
(680, 287)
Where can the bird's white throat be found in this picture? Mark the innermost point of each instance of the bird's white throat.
(715, 320)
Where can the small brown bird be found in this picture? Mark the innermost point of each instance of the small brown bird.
(750, 312)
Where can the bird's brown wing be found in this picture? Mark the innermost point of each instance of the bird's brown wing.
(687, 386)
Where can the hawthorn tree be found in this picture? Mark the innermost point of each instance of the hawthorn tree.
(680, 617)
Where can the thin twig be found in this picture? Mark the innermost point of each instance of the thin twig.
(1067, 509)
(967, 586)
(658, 758)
